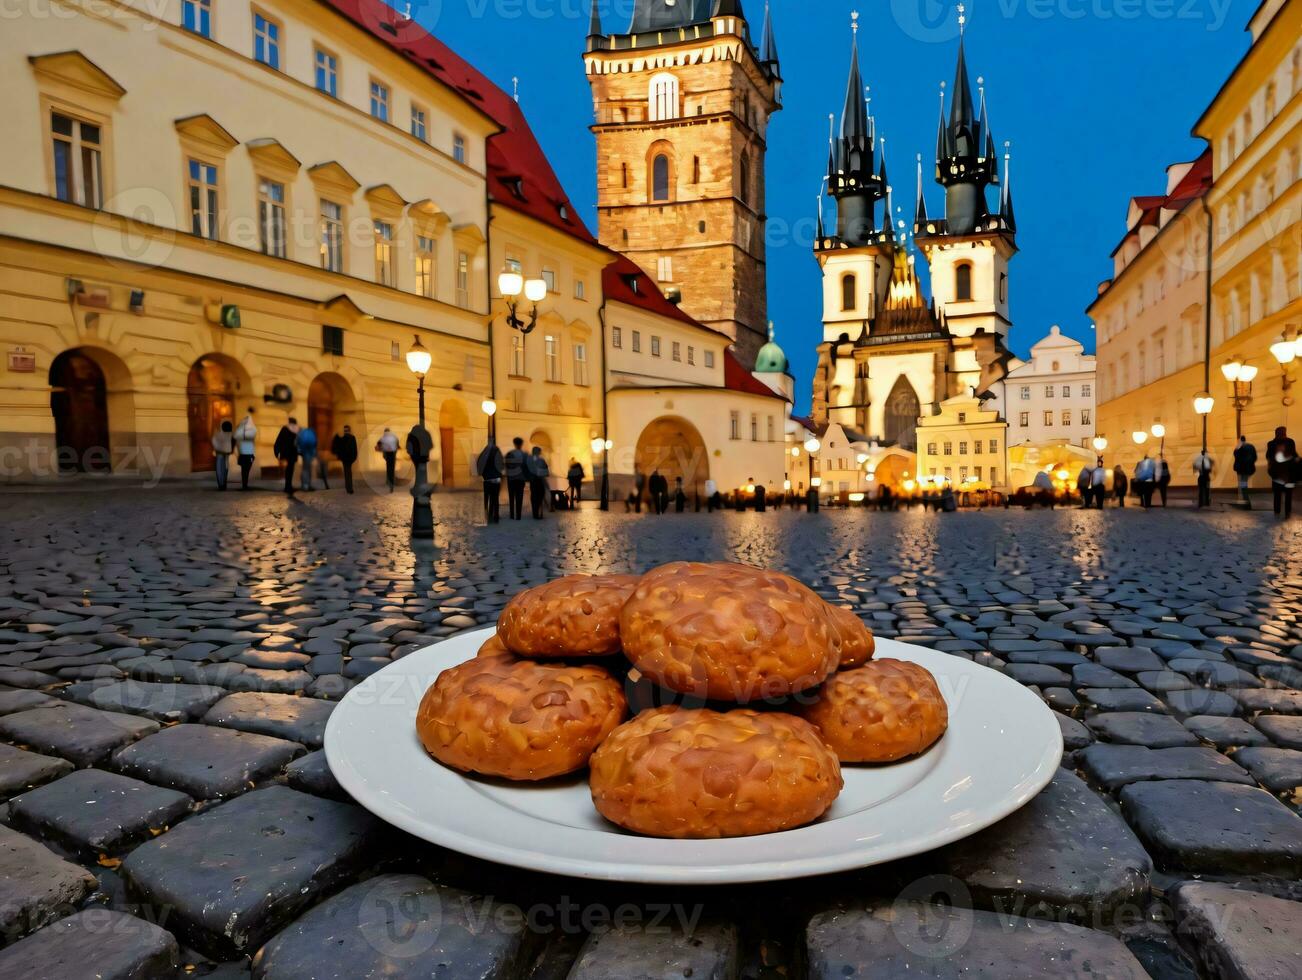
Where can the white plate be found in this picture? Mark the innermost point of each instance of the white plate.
(1002, 748)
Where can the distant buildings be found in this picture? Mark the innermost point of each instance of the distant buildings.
(1051, 397)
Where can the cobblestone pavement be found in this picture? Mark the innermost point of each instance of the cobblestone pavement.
(168, 660)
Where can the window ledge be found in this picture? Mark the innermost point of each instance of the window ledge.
(519, 377)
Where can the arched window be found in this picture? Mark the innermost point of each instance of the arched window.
(743, 180)
(849, 291)
(660, 178)
(663, 97)
(963, 280)
(901, 415)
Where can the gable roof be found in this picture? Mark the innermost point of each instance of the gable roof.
(737, 378)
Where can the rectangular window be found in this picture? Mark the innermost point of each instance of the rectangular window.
(949, 449)
(266, 41)
(1024, 420)
(1066, 391)
(976, 471)
(709, 358)
(196, 16)
(514, 265)
(463, 280)
(78, 168)
(580, 364)
(931, 449)
(332, 236)
(691, 354)
(1086, 417)
(676, 351)
(1048, 391)
(517, 354)
(1066, 418)
(332, 340)
(380, 101)
(384, 253)
(203, 199)
(425, 266)
(754, 427)
(962, 473)
(769, 428)
(994, 475)
(1048, 418)
(616, 337)
(962, 448)
(553, 357)
(994, 445)
(549, 277)
(655, 346)
(580, 289)
(327, 73)
(1026, 393)
(458, 148)
(419, 127)
(1086, 391)
(665, 268)
(734, 425)
(637, 341)
(271, 217)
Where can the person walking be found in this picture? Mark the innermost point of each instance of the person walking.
(659, 487)
(306, 444)
(517, 478)
(490, 466)
(223, 444)
(344, 449)
(246, 435)
(1084, 482)
(1245, 465)
(575, 478)
(1120, 485)
(1202, 467)
(680, 496)
(286, 450)
(539, 474)
(639, 486)
(761, 498)
(1164, 478)
(1282, 465)
(711, 488)
(1145, 480)
(387, 446)
(1098, 484)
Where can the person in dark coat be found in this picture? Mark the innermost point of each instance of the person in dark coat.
(344, 448)
(539, 473)
(761, 498)
(1245, 465)
(490, 466)
(575, 478)
(680, 498)
(1120, 485)
(1164, 478)
(1282, 465)
(286, 450)
(639, 486)
(659, 488)
(517, 478)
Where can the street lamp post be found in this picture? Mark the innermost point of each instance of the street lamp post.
(420, 445)
(603, 446)
(1203, 404)
(1240, 375)
(1158, 432)
(812, 446)
(1286, 350)
(511, 285)
(490, 409)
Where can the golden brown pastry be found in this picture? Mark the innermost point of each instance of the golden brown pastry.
(696, 773)
(574, 616)
(493, 647)
(855, 639)
(500, 716)
(728, 632)
(881, 712)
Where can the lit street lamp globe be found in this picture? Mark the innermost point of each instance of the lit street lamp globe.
(489, 407)
(419, 359)
(1100, 444)
(1230, 369)
(510, 284)
(535, 290)
(1203, 403)
(1285, 351)
(1158, 431)
(598, 444)
(1247, 373)
(1140, 438)
(812, 445)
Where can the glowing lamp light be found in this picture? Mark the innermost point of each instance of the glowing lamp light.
(1062, 475)
(535, 290)
(795, 452)
(909, 486)
(856, 498)
(419, 359)
(598, 444)
(490, 407)
(812, 445)
(1203, 403)
(1100, 444)
(609, 445)
(510, 284)
(1158, 431)
(1232, 370)
(871, 476)
(1140, 437)
(861, 458)
(816, 482)
(1285, 351)
(1247, 373)
(750, 488)
(786, 485)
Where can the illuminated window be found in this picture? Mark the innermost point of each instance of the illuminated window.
(78, 170)
(203, 199)
(384, 253)
(332, 236)
(425, 266)
(271, 217)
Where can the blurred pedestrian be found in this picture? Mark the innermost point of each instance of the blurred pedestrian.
(517, 478)
(387, 446)
(575, 477)
(1084, 482)
(639, 485)
(1145, 481)
(1098, 484)
(286, 450)
(711, 490)
(761, 498)
(306, 443)
(223, 444)
(1202, 467)
(490, 466)
(659, 489)
(680, 497)
(1163, 477)
(344, 449)
(1120, 485)
(246, 435)
(1283, 467)
(539, 474)
(1245, 465)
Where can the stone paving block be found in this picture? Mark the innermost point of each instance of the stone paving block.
(1225, 733)
(1275, 702)
(270, 681)
(1066, 850)
(1214, 828)
(1283, 730)
(397, 926)
(1136, 728)
(162, 702)
(81, 735)
(238, 873)
(1121, 699)
(1198, 701)
(634, 953)
(20, 677)
(311, 774)
(1114, 766)
(1092, 675)
(1074, 734)
(942, 943)
(205, 761)
(13, 701)
(1037, 674)
(36, 885)
(1128, 660)
(91, 812)
(21, 770)
(1239, 934)
(120, 946)
(1279, 770)
(282, 715)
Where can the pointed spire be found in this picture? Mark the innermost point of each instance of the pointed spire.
(854, 120)
(768, 40)
(1006, 193)
(920, 212)
(594, 22)
(961, 112)
(728, 8)
(942, 131)
(888, 219)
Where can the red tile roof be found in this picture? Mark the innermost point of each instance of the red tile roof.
(1194, 184)
(618, 280)
(737, 378)
(519, 175)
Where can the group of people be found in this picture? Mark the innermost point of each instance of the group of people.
(1282, 466)
(522, 470)
(294, 445)
(1152, 477)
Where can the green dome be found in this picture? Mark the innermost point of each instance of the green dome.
(770, 359)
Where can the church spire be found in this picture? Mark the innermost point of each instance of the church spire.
(920, 212)
(594, 21)
(851, 179)
(768, 40)
(1006, 194)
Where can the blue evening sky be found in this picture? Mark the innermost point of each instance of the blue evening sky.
(1097, 97)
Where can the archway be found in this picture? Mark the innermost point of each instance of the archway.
(79, 403)
(673, 446)
(211, 390)
(454, 458)
(901, 419)
(331, 405)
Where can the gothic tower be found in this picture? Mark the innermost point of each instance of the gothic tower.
(682, 102)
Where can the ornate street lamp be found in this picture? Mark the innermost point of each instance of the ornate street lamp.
(812, 446)
(489, 408)
(1203, 404)
(604, 446)
(1158, 432)
(1100, 444)
(420, 445)
(511, 285)
(1240, 375)
(1286, 351)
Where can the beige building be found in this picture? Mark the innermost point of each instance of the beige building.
(1051, 397)
(1157, 346)
(965, 442)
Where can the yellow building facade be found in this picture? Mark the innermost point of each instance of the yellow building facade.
(1157, 348)
(965, 442)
